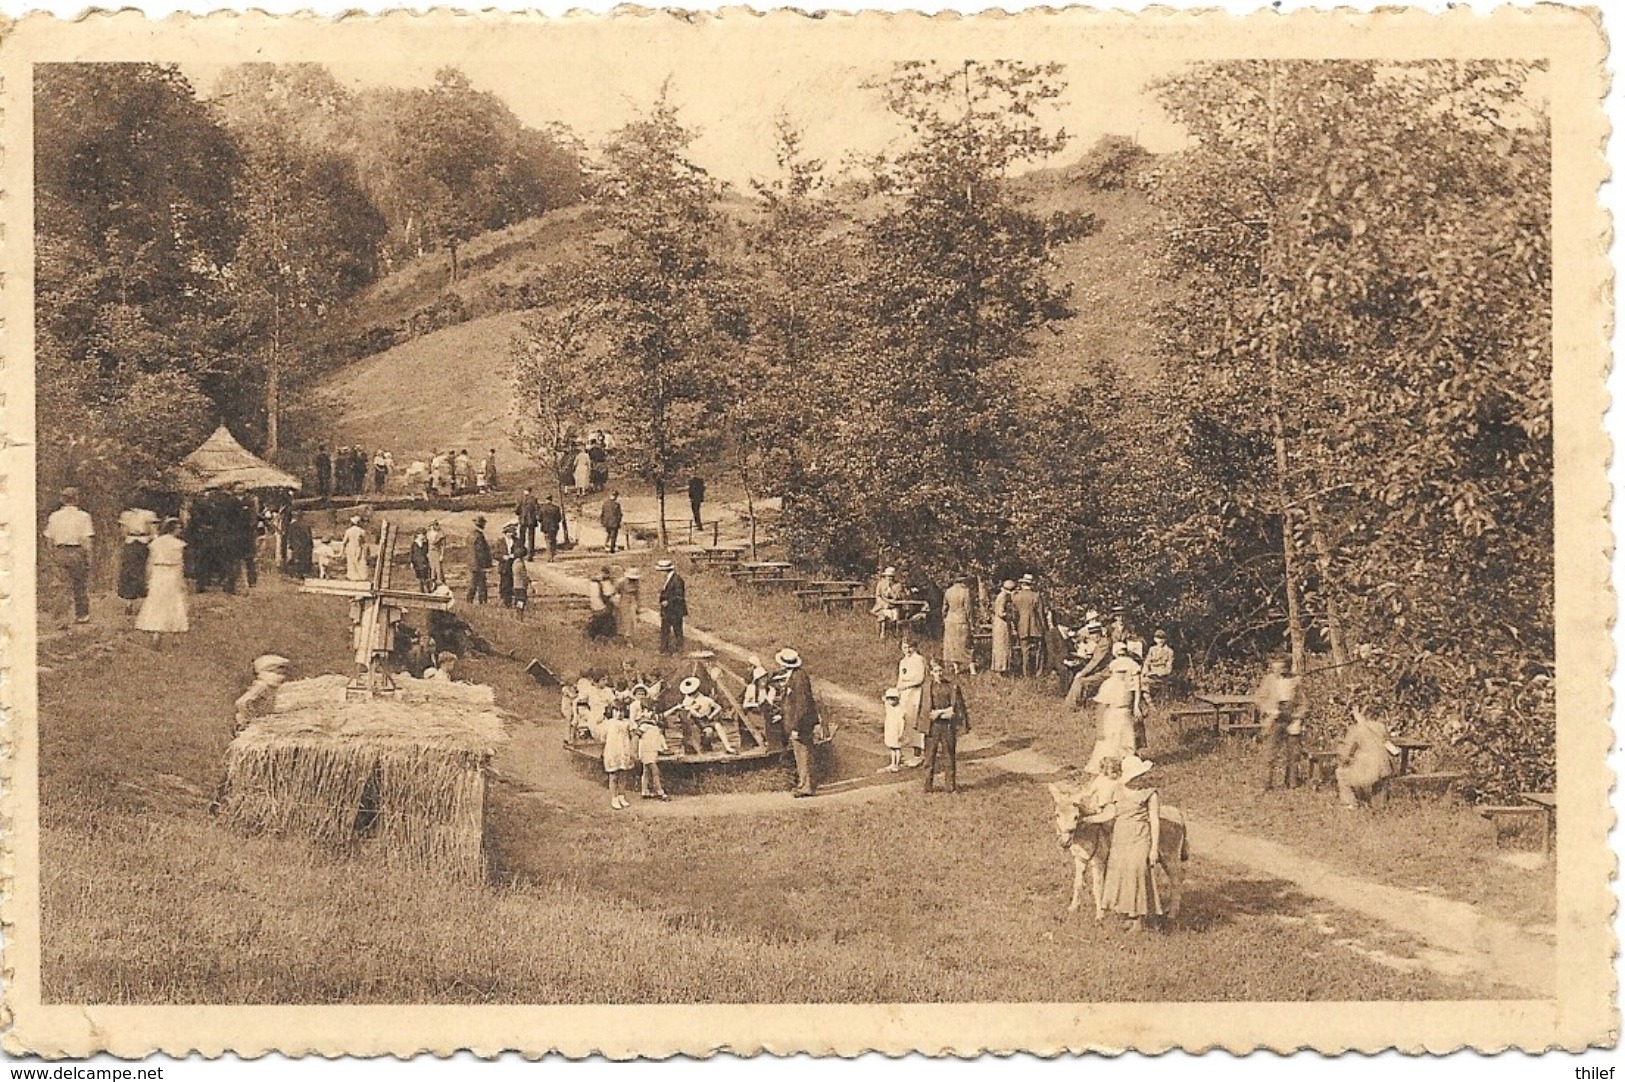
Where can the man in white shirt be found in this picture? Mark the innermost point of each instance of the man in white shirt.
(70, 533)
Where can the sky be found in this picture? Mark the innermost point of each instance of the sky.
(733, 84)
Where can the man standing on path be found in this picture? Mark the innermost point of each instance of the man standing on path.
(941, 716)
(1028, 609)
(529, 513)
(71, 534)
(479, 562)
(549, 519)
(1276, 698)
(696, 496)
(610, 517)
(800, 720)
(673, 608)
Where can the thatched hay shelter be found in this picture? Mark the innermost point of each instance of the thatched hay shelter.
(403, 777)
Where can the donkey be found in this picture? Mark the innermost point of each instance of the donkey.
(1091, 843)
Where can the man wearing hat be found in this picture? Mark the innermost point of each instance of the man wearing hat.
(1028, 609)
(71, 533)
(529, 514)
(549, 518)
(479, 562)
(800, 719)
(701, 714)
(941, 716)
(609, 516)
(1096, 653)
(673, 607)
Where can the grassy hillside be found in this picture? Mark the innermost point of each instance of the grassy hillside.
(435, 373)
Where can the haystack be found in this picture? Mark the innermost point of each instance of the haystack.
(403, 777)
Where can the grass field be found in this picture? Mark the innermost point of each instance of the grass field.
(145, 899)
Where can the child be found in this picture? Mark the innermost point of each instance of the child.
(619, 753)
(651, 745)
(270, 672)
(703, 714)
(896, 725)
(521, 586)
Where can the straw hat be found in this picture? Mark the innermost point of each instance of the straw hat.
(355, 520)
(889, 573)
(788, 658)
(267, 662)
(689, 686)
(1159, 634)
(665, 565)
(1092, 625)
(639, 689)
(1134, 767)
(1091, 615)
(1027, 579)
(892, 695)
(1119, 649)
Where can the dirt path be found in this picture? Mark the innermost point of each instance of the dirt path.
(1459, 939)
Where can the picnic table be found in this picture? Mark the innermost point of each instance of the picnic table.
(908, 609)
(1231, 713)
(1407, 748)
(759, 570)
(827, 593)
(713, 556)
(1541, 805)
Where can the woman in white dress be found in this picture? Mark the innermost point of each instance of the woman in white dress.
(164, 610)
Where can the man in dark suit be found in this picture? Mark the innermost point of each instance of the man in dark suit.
(549, 519)
(1029, 618)
(800, 719)
(479, 562)
(696, 497)
(610, 517)
(324, 472)
(529, 514)
(673, 608)
(941, 717)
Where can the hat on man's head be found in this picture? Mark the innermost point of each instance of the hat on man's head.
(1134, 767)
(1091, 615)
(788, 658)
(479, 520)
(634, 574)
(1159, 634)
(267, 662)
(890, 572)
(70, 494)
(1092, 625)
(1027, 579)
(892, 695)
(689, 686)
(355, 520)
(665, 565)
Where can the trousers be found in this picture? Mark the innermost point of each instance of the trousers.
(74, 563)
(671, 634)
(1285, 749)
(804, 772)
(944, 738)
(476, 585)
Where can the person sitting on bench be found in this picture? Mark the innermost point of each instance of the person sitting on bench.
(700, 714)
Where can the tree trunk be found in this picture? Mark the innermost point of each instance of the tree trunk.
(558, 479)
(453, 243)
(1289, 548)
(660, 499)
(1323, 563)
(273, 381)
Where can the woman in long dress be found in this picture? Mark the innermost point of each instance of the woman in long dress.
(1114, 732)
(956, 640)
(164, 610)
(1130, 887)
(583, 472)
(1001, 627)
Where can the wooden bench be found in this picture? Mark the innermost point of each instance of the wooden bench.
(717, 557)
(1435, 783)
(1511, 819)
(1186, 722)
(1322, 768)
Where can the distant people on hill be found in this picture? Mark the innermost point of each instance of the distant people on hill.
(380, 470)
(439, 473)
(609, 516)
(696, 497)
(465, 472)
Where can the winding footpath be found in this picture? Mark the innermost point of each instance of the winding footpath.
(1460, 940)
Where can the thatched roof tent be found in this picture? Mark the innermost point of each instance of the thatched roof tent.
(222, 462)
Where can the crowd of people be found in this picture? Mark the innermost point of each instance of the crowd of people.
(641, 718)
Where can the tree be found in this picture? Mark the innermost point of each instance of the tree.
(662, 300)
(951, 279)
(1365, 257)
(552, 383)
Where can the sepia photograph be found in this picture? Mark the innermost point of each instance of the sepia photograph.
(939, 521)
